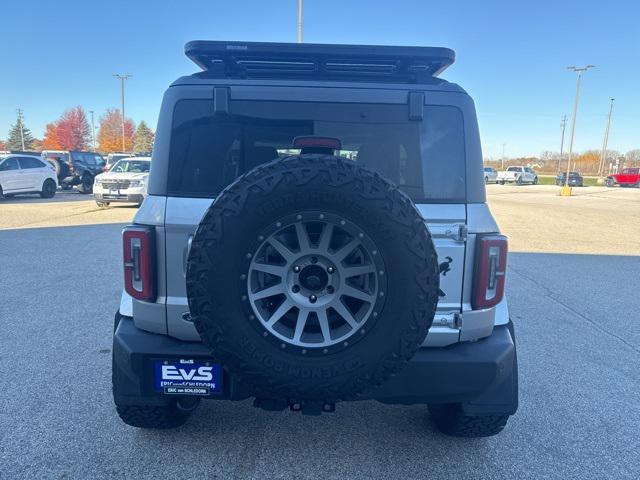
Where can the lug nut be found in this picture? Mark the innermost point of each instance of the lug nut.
(295, 289)
(314, 260)
(331, 269)
(313, 298)
(330, 289)
(296, 269)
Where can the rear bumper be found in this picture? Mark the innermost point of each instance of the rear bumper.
(480, 375)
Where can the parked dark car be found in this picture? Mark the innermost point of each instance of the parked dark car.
(75, 168)
(575, 179)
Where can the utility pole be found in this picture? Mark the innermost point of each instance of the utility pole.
(563, 124)
(566, 191)
(93, 131)
(503, 145)
(122, 78)
(603, 155)
(299, 21)
(21, 123)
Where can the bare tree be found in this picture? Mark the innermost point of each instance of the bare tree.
(632, 157)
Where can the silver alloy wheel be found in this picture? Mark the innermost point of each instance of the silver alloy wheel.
(315, 280)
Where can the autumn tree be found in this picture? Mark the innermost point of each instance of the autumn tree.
(50, 140)
(73, 131)
(143, 141)
(110, 132)
(17, 133)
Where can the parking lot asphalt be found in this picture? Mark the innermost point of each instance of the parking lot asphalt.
(576, 318)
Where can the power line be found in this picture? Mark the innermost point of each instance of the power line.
(579, 71)
(605, 141)
(563, 124)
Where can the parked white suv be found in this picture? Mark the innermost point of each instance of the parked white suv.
(125, 182)
(518, 175)
(26, 174)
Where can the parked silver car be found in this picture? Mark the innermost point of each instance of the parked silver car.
(490, 174)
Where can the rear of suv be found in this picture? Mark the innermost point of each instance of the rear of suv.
(75, 168)
(316, 231)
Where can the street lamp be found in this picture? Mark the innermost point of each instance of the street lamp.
(122, 78)
(566, 190)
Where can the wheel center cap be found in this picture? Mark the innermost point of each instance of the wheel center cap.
(313, 278)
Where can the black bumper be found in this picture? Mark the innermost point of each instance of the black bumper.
(136, 198)
(481, 375)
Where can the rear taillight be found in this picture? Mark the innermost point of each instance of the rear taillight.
(139, 254)
(490, 270)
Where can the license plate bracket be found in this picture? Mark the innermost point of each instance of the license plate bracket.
(199, 377)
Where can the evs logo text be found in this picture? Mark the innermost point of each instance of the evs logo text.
(201, 374)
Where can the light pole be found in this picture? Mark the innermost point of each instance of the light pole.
(21, 122)
(299, 21)
(503, 145)
(603, 155)
(563, 124)
(122, 78)
(566, 190)
(93, 131)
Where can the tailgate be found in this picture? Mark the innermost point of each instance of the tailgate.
(446, 222)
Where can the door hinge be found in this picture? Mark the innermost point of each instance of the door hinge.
(457, 232)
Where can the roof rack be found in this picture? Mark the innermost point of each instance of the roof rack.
(253, 60)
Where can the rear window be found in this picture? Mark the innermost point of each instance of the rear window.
(88, 158)
(426, 159)
(514, 169)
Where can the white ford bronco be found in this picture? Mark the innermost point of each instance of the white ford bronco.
(316, 231)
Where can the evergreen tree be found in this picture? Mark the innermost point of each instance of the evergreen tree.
(14, 139)
(143, 141)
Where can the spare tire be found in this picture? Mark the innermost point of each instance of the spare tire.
(59, 166)
(312, 279)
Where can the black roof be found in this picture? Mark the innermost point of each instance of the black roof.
(253, 60)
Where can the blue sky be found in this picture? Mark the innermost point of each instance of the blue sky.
(511, 56)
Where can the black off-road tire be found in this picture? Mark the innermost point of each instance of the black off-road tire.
(535, 181)
(48, 189)
(86, 184)
(519, 181)
(102, 204)
(221, 253)
(450, 419)
(59, 167)
(148, 416)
